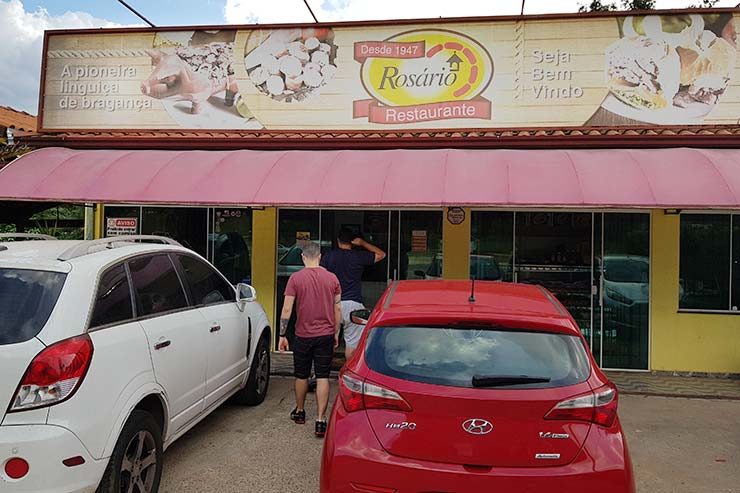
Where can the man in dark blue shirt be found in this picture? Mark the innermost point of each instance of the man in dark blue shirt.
(348, 264)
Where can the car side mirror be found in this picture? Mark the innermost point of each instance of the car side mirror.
(360, 317)
(420, 273)
(245, 294)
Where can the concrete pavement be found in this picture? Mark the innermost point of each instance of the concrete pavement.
(678, 445)
(683, 445)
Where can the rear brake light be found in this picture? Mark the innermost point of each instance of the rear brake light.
(357, 395)
(599, 406)
(54, 374)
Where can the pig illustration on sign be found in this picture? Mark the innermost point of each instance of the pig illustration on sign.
(194, 73)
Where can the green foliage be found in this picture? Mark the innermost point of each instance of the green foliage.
(704, 4)
(8, 153)
(599, 6)
(47, 222)
(638, 4)
(65, 211)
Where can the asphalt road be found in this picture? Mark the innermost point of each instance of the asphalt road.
(677, 445)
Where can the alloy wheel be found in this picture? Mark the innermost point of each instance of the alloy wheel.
(263, 371)
(139, 465)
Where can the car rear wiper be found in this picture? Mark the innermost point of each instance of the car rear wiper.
(504, 380)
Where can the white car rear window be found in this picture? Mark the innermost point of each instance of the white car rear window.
(27, 298)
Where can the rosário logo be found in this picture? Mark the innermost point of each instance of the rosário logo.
(423, 75)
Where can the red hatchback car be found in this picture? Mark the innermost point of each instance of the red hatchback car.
(450, 392)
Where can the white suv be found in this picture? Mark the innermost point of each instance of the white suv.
(110, 350)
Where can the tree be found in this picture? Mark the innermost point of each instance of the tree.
(599, 6)
(10, 152)
(704, 4)
(638, 4)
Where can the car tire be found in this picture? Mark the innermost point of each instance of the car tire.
(254, 393)
(140, 437)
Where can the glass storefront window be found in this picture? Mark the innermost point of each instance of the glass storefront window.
(705, 262)
(420, 245)
(121, 212)
(566, 252)
(229, 243)
(187, 225)
(221, 235)
(492, 245)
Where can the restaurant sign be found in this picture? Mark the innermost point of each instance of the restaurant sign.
(665, 68)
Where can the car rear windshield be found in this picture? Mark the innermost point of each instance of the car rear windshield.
(27, 298)
(459, 356)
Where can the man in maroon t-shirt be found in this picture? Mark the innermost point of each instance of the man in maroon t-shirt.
(318, 294)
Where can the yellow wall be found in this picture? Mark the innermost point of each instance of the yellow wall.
(685, 341)
(456, 248)
(264, 262)
(98, 221)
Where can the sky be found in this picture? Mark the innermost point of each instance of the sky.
(22, 22)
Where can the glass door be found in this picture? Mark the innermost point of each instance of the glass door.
(417, 249)
(295, 227)
(553, 249)
(623, 276)
(229, 241)
(596, 264)
(412, 241)
(374, 227)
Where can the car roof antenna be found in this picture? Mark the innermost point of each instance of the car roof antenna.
(471, 299)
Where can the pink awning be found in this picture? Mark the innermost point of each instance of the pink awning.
(661, 178)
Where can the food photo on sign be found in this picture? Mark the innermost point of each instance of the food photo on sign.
(290, 65)
(193, 75)
(668, 69)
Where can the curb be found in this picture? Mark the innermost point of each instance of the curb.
(713, 397)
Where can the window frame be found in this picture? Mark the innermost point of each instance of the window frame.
(188, 301)
(186, 283)
(101, 274)
(125, 261)
(733, 215)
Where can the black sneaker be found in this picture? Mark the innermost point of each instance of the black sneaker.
(320, 429)
(298, 416)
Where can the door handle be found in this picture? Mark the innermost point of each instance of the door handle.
(215, 328)
(162, 344)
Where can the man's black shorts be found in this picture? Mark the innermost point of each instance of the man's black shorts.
(319, 350)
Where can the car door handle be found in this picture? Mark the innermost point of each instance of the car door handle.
(215, 328)
(162, 344)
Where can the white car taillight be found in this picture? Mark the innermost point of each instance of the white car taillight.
(599, 406)
(54, 374)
